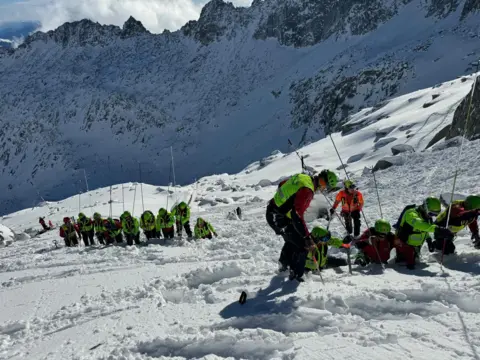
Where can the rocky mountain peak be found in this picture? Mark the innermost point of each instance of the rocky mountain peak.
(218, 18)
(133, 27)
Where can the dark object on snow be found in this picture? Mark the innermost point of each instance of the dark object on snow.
(243, 298)
(96, 346)
(239, 212)
(387, 162)
(402, 148)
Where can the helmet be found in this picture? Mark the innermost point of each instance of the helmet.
(66, 220)
(97, 216)
(382, 226)
(320, 234)
(349, 184)
(330, 177)
(162, 212)
(200, 221)
(472, 202)
(182, 205)
(147, 215)
(126, 214)
(432, 206)
(81, 215)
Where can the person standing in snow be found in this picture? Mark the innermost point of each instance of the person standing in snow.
(131, 228)
(463, 213)
(204, 230)
(165, 223)
(85, 226)
(99, 228)
(147, 223)
(318, 258)
(375, 244)
(68, 232)
(352, 205)
(284, 215)
(414, 227)
(182, 217)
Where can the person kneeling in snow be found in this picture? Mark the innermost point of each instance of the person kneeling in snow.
(414, 227)
(375, 244)
(318, 258)
(131, 228)
(204, 230)
(68, 232)
(463, 213)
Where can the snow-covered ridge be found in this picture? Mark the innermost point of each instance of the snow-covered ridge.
(104, 99)
(180, 299)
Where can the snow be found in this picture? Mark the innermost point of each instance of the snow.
(179, 299)
(6, 236)
(126, 101)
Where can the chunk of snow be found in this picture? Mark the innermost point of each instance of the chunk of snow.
(7, 236)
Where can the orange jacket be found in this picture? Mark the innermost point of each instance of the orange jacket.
(350, 202)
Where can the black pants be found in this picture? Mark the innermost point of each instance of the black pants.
(150, 234)
(293, 254)
(449, 245)
(168, 233)
(354, 217)
(186, 226)
(118, 238)
(131, 238)
(100, 237)
(87, 237)
(71, 240)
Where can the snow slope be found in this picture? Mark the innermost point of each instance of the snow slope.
(180, 299)
(223, 91)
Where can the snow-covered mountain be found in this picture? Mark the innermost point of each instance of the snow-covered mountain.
(179, 299)
(222, 91)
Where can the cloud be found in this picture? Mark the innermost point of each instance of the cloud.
(156, 15)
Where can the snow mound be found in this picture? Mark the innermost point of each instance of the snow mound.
(7, 236)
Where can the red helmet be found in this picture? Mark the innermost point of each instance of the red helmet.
(66, 220)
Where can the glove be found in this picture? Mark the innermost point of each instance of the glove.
(431, 248)
(332, 211)
(279, 231)
(443, 233)
(348, 239)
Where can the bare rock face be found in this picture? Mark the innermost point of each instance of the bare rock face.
(472, 130)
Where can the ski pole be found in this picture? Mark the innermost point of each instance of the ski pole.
(378, 195)
(361, 210)
(141, 185)
(300, 157)
(469, 112)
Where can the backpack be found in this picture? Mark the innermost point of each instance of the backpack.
(399, 221)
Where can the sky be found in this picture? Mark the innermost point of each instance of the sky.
(156, 15)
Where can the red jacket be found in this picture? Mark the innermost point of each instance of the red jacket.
(383, 245)
(303, 198)
(461, 217)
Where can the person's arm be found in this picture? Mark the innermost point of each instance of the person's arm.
(302, 201)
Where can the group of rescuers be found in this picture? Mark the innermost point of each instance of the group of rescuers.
(108, 231)
(307, 251)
